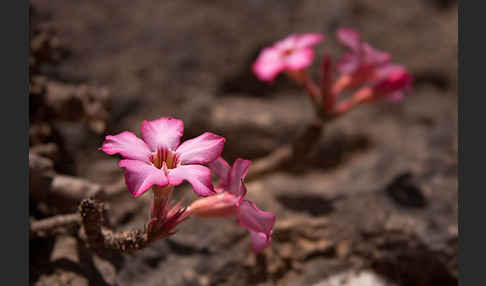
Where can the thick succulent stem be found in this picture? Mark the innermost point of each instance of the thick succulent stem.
(100, 238)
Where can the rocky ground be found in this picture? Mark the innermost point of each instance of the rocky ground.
(376, 204)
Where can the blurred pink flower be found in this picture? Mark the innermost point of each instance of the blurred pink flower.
(229, 201)
(292, 53)
(392, 81)
(158, 159)
(362, 60)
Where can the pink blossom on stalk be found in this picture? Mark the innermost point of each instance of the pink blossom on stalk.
(361, 62)
(229, 201)
(293, 53)
(392, 81)
(158, 159)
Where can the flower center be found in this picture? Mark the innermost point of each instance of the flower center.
(288, 52)
(165, 156)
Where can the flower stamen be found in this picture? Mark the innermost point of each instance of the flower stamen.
(165, 156)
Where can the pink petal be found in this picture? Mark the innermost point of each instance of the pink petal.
(293, 52)
(268, 64)
(252, 218)
(386, 70)
(219, 189)
(198, 176)
(221, 168)
(348, 63)
(164, 132)
(128, 145)
(308, 40)
(259, 241)
(373, 57)
(287, 43)
(140, 176)
(201, 150)
(391, 79)
(396, 96)
(238, 173)
(299, 59)
(268, 71)
(349, 38)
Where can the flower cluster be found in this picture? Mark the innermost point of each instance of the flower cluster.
(159, 162)
(362, 68)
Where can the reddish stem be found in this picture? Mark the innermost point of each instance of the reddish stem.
(302, 77)
(341, 84)
(311, 87)
(160, 208)
(362, 95)
(327, 92)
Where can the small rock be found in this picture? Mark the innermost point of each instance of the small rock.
(405, 191)
(353, 278)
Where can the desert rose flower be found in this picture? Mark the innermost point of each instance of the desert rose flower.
(291, 54)
(229, 201)
(361, 62)
(158, 160)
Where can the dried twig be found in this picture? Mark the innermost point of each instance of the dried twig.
(54, 225)
(92, 218)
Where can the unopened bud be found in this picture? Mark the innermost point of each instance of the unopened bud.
(219, 205)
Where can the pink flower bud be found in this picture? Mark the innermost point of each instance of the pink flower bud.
(230, 202)
(219, 205)
(392, 81)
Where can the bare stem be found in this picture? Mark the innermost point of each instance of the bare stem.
(91, 217)
(270, 163)
(282, 156)
(303, 144)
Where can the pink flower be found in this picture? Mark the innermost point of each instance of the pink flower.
(158, 159)
(392, 80)
(293, 53)
(363, 60)
(229, 201)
